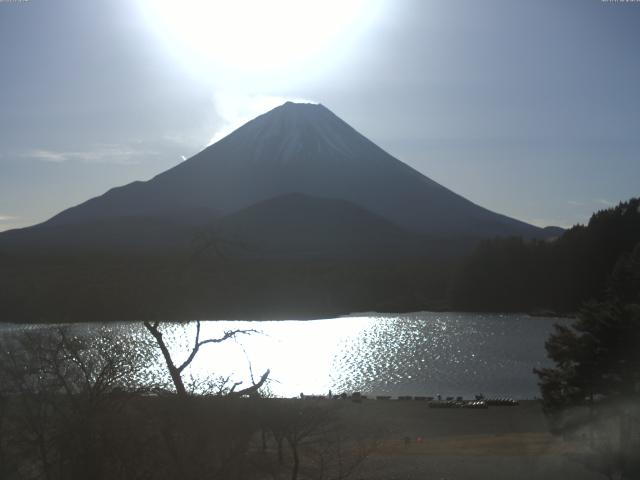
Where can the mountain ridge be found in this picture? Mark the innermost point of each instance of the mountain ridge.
(302, 148)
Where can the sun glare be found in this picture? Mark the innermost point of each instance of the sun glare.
(255, 35)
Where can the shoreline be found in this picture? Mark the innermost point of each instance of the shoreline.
(303, 318)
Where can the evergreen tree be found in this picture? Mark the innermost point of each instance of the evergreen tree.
(597, 358)
(594, 388)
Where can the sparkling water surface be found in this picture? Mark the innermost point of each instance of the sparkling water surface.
(424, 353)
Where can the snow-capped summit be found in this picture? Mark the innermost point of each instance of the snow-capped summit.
(299, 132)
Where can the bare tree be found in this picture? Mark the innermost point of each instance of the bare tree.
(313, 440)
(62, 393)
(176, 370)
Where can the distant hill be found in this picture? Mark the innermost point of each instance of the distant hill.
(300, 226)
(554, 232)
(297, 225)
(295, 148)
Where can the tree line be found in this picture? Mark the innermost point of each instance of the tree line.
(503, 274)
(79, 287)
(511, 274)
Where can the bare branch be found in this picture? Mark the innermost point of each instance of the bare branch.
(227, 335)
(194, 350)
(253, 389)
(176, 370)
(233, 388)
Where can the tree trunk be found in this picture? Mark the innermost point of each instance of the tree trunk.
(176, 377)
(280, 455)
(296, 460)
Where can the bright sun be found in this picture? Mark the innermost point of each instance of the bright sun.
(258, 35)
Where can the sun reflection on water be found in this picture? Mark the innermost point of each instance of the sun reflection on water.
(422, 353)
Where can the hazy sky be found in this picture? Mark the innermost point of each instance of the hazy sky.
(529, 108)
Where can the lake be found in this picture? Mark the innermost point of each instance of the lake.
(423, 353)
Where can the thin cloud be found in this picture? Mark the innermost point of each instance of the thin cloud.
(575, 203)
(603, 201)
(181, 138)
(47, 155)
(105, 153)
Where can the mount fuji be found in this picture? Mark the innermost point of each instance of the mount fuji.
(295, 151)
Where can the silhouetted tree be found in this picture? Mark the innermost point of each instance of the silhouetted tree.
(625, 279)
(175, 370)
(595, 384)
(596, 357)
(62, 394)
(315, 440)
